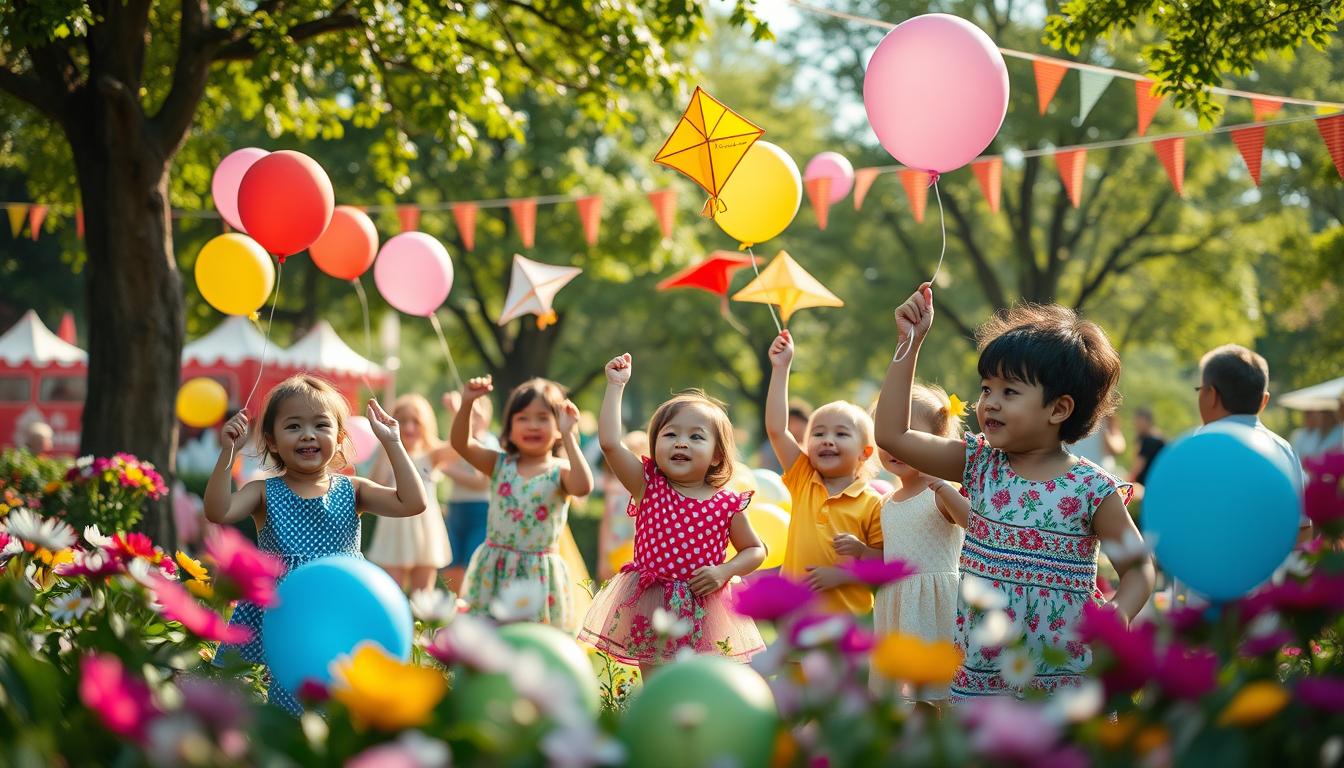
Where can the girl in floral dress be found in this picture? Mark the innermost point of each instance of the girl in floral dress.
(1038, 513)
(518, 571)
(675, 594)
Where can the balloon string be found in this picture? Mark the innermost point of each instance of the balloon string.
(447, 355)
(905, 345)
(752, 255)
(368, 335)
(270, 323)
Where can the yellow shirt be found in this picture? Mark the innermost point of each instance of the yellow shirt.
(817, 517)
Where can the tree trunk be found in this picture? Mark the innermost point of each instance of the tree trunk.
(528, 356)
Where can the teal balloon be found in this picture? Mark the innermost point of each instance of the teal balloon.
(701, 711)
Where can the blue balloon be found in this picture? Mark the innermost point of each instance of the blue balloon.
(325, 609)
(1223, 509)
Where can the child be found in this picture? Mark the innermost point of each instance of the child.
(684, 519)
(309, 511)
(617, 530)
(1037, 511)
(469, 497)
(413, 549)
(529, 501)
(829, 485)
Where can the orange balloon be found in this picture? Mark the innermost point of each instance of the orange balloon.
(347, 248)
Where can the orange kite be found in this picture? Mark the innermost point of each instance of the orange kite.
(707, 144)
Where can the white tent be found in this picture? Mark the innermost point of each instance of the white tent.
(323, 351)
(1319, 397)
(29, 342)
(231, 342)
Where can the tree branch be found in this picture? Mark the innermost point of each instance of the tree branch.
(241, 48)
(943, 308)
(34, 92)
(190, 75)
(465, 320)
(989, 280)
(1091, 284)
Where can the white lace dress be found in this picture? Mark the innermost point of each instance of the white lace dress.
(419, 540)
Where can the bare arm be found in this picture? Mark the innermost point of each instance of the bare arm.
(407, 496)
(956, 509)
(624, 464)
(222, 504)
(1115, 528)
(849, 545)
(782, 441)
(477, 455)
(750, 555)
(577, 478)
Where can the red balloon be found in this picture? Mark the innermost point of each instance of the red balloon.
(285, 202)
(347, 249)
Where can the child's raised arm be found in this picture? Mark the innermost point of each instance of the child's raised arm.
(222, 505)
(930, 454)
(407, 497)
(624, 464)
(787, 449)
(467, 447)
(577, 478)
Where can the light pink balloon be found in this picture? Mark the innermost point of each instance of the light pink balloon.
(224, 184)
(414, 273)
(361, 434)
(834, 166)
(936, 91)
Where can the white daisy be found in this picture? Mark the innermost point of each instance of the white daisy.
(669, 625)
(825, 631)
(581, 745)
(12, 547)
(66, 607)
(518, 601)
(434, 605)
(993, 630)
(980, 593)
(1017, 667)
(96, 537)
(44, 532)
(1076, 704)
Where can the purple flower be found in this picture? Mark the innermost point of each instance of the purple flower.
(877, 572)
(218, 706)
(1271, 642)
(1186, 673)
(1326, 693)
(768, 597)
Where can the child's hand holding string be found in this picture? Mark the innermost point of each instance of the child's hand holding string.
(915, 316)
(781, 350)
(235, 429)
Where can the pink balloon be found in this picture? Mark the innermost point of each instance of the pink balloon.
(224, 184)
(882, 487)
(936, 91)
(414, 273)
(361, 435)
(834, 166)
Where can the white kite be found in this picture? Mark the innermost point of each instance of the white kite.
(532, 288)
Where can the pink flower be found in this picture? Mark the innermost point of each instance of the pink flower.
(1324, 495)
(857, 641)
(98, 564)
(1070, 506)
(121, 702)
(1186, 618)
(180, 606)
(876, 573)
(249, 572)
(1186, 673)
(1325, 693)
(543, 513)
(1322, 591)
(1000, 498)
(132, 545)
(769, 597)
(217, 705)
(1030, 539)
(1008, 729)
(505, 489)
(1133, 659)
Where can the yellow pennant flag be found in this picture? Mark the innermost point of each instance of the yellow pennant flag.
(18, 212)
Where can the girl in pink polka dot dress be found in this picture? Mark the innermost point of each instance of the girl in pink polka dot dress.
(674, 595)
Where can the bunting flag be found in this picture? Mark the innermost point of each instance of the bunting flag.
(819, 192)
(1251, 144)
(863, 180)
(1265, 108)
(1332, 130)
(990, 175)
(1072, 163)
(1048, 77)
(1172, 154)
(1147, 103)
(590, 215)
(79, 223)
(664, 203)
(409, 217)
(36, 215)
(525, 219)
(1090, 86)
(18, 213)
(464, 214)
(1326, 109)
(916, 185)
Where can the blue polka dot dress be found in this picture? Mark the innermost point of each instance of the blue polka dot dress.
(297, 530)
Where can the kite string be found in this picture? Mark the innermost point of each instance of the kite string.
(447, 355)
(752, 254)
(906, 344)
(270, 323)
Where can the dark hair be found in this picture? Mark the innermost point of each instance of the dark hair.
(551, 394)
(1240, 376)
(799, 409)
(1050, 346)
(725, 444)
(320, 391)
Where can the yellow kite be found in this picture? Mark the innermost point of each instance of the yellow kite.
(790, 286)
(707, 144)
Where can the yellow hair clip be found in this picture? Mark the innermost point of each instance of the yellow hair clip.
(956, 406)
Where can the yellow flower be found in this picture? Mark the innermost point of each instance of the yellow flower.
(52, 487)
(192, 567)
(956, 406)
(1112, 734)
(135, 475)
(909, 658)
(4, 509)
(382, 692)
(201, 589)
(1151, 738)
(1254, 704)
(55, 558)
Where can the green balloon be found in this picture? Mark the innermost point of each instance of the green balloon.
(562, 655)
(694, 711)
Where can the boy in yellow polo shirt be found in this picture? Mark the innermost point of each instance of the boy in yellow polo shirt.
(829, 484)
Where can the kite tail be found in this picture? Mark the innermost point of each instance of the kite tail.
(903, 348)
(713, 207)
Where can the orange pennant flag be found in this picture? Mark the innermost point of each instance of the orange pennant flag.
(464, 214)
(1172, 154)
(1332, 130)
(409, 216)
(36, 215)
(1147, 103)
(1251, 144)
(916, 185)
(819, 192)
(1263, 108)
(990, 174)
(79, 223)
(863, 181)
(1048, 77)
(18, 212)
(665, 208)
(525, 219)
(1072, 164)
(590, 215)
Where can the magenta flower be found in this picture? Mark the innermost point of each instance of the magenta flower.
(769, 597)
(857, 641)
(1324, 693)
(1324, 495)
(1262, 645)
(1187, 673)
(241, 567)
(180, 606)
(1133, 658)
(877, 573)
(1322, 591)
(132, 545)
(121, 702)
(98, 564)
(1186, 618)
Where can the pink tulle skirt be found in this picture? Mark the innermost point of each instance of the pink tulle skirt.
(620, 622)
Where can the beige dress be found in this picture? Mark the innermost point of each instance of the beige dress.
(925, 604)
(419, 540)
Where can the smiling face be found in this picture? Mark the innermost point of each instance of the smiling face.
(1013, 415)
(533, 429)
(686, 447)
(304, 435)
(837, 443)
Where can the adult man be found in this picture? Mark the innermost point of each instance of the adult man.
(1151, 443)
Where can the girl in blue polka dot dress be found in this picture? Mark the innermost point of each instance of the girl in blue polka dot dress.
(309, 511)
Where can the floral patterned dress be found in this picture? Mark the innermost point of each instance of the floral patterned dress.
(1033, 544)
(527, 516)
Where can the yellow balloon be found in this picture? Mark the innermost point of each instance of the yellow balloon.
(235, 274)
(772, 524)
(201, 402)
(621, 555)
(762, 196)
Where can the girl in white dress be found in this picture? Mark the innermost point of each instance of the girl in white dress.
(413, 549)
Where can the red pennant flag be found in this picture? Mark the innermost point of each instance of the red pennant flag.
(1332, 130)
(665, 208)
(465, 216)
(1072, 163)
(916, 185)
(79, 223)
(590, 214)
(863, 180)
(819, 192)
(1048, 77)
(409, 216)
(66, 331)
(36, 215)
(1147, 103)
(525, 219)
(1251, 144)
(1172, 154)
(990, 174)
(1263, 108)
